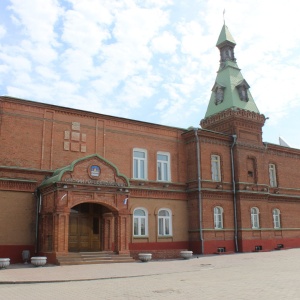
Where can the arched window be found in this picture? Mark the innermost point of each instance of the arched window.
(276, 218)
(140, 222)
(164, 222)
(218, 217)
(254, 217)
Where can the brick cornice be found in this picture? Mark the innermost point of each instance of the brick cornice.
(233, 114)
(9, 184)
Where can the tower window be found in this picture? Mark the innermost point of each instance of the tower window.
(243, 93)
(219, 95)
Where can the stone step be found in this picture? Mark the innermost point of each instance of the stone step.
(79, 258)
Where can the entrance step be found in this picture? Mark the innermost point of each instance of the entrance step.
(82, 258)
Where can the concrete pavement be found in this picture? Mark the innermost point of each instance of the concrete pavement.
(265, 275)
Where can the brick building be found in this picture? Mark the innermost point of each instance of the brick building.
(73, 181)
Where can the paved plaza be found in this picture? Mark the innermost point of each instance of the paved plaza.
(265, 275)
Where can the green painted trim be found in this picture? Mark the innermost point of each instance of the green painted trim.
(17, 179)
(57, 175)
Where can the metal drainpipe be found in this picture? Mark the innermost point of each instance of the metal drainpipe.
(199, 190)
(234, 195)
(38, 206)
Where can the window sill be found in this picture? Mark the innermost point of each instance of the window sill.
(165, 236)
(140, 236)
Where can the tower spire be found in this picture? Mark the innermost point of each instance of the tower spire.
(230, 89)
(230, 95)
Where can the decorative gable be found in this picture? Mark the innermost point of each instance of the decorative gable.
(91, 170)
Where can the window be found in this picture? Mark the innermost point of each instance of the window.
(164, 222)
(163, 166)
(276, 218)
(140, 222)
(218, 217)
(219, 95)
(272, 175)
(139, 164)
(215, 168)
(254, 217)
(242, 88)
(251, 168)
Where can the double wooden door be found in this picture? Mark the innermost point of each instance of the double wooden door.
(85, 228)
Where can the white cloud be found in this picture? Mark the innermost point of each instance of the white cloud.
(165, 43)
(2, 31)
(38, 18)
(134, 90)
(38, 52)
(16, 62)
(137, 26)
(77, 64)
(47, 73)
(82, 33)
(162, 104)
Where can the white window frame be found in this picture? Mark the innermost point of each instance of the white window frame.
(139, 161)
(140, 220)
(164, 223)
(215, 168)
(254, 218)
(164, 166)
(276, 218)
(272, 175)
(218, 217)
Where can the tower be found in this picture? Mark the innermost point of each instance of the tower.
(231, 108)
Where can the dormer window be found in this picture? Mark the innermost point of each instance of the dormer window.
(243, 90)
(219, 93)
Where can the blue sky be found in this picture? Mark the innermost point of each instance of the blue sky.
(151, 60)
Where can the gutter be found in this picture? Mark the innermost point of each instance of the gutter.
(234, 195)
(199, 190)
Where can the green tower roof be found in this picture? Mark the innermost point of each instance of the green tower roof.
(225, 36)
(230, 89)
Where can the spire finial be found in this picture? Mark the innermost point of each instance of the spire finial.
(224, 16)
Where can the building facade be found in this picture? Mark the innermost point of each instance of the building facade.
(73, 181)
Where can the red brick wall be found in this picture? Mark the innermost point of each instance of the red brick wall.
(37, 138)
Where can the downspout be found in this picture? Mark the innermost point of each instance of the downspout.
(199, 190)
(234, 195)
(38, 207)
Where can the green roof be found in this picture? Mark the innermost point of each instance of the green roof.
(225, 36)
(58, 173)
(229, 78)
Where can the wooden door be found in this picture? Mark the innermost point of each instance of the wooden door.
(84, 230)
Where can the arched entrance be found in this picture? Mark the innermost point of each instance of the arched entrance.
(83, 207)
(90, 228)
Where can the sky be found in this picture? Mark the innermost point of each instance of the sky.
(151, 60)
